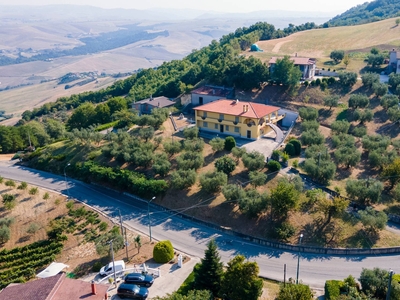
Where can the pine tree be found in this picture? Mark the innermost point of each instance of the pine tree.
(208, 274)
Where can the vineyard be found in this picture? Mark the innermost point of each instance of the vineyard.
(21, 263)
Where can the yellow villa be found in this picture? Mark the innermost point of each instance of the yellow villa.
(232, 117)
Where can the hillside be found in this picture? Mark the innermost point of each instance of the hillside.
(366, 13)
(318, 43)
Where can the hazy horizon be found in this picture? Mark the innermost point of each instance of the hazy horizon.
(205, 5)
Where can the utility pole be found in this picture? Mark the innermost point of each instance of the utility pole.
(65, 178)
(284, 275)
(126, 245)
(298, 259)
(148, 216)
(113, 261)
(389, 285)
(120, 222)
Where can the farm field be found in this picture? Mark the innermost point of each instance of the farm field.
(319, 43)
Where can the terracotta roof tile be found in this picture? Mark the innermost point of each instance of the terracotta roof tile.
(38, 289)
(237, 108)
(57, 287)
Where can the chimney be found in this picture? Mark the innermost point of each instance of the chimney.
(158, 104)
(296, 54)
(237, 101)
(244, 108)
(247, 108)
(93, 288)
(151, 97)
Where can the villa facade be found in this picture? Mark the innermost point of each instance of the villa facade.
(233, 117)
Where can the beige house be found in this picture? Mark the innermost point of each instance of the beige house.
(233, 117)
(307, 65)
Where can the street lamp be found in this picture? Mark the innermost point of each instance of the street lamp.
(65, 177)
(298, 259)
(389, 284)
(148, 215)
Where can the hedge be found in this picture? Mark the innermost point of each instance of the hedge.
(332, 289)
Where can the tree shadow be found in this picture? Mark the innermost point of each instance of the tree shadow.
(380, 117)
(392, 130)
(331, 63)
(39, 204)
(23, 239)
(325, 113)
(25, 199)
(362, 239)
(210, 158)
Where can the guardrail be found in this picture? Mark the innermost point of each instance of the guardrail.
(282, 246)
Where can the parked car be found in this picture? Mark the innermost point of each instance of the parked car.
(139, 279)
(132, 291)
(108, 269)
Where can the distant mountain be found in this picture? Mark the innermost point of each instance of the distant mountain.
(366, 13)
(90, 13)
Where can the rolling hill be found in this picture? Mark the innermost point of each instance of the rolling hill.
(318, 43)
(366, 13)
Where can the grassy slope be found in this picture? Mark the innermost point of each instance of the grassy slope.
(319, 43)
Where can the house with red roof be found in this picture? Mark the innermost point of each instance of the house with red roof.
(233, 117)
(307, 65)
(210, 93)
(57, 287)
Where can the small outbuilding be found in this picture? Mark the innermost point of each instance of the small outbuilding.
(255, 48)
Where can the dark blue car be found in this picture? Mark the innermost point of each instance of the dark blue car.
(132, 291)
(139, 279)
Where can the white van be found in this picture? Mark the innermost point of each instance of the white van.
(108, 269)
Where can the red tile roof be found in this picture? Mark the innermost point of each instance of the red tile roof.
(235, 108)
(213, 91)
(56, 287)
(296, 60)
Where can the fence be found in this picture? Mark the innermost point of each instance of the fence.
(155, 272)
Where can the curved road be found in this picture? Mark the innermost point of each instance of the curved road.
(191, 238)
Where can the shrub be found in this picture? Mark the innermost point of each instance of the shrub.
(33, 191)
(70, 205)
(33, 228)
(22, 186)
(10, 183)
(5, 234)
(229, 143)
(332, 289)
(289, 149)
(295, 164)
(46, 196)
(7, 221)
(273, 165)
(1, 179)
(163, 252)
(103, 226)
(297, 146)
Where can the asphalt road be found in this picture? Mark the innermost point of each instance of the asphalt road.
(191, 238)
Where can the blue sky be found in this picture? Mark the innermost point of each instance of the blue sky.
(210, 5)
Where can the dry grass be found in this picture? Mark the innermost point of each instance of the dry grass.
(318, 43)
(15, 101)
(77, 254)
